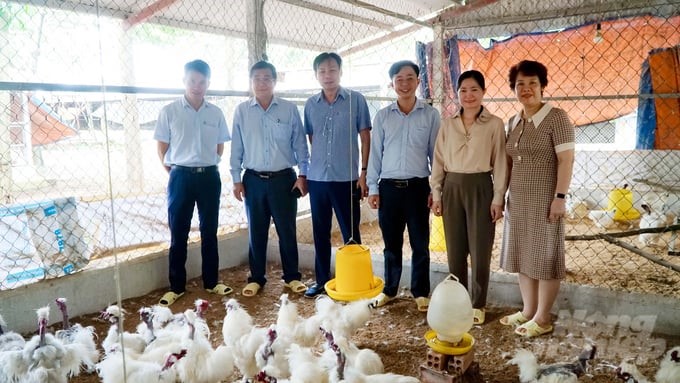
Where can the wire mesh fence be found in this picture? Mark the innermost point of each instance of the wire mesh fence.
(82, 83)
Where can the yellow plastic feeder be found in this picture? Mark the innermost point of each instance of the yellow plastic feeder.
(443, 347)
(622, 201)
(354, 277)
(437, 239)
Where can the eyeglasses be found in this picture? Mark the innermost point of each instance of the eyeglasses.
(263, 80)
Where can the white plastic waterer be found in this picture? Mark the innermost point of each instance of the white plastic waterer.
(450, 313)
(450, 354)
(450, 316)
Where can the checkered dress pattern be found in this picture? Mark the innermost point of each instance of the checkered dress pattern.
(532, 245)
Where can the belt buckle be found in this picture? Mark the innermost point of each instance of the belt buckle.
(265, 176)
(200, 170)
(401, 183)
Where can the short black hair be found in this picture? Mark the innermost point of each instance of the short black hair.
(472, 74)
(263, 65)
(326, 56)
(396, 67)
(199, 66)
(529, 68)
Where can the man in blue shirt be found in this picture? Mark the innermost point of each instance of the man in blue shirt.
(268, 140)
(333, 119)
(402, 149)
(191, 133)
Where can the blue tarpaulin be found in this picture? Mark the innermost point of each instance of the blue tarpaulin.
(646, 116)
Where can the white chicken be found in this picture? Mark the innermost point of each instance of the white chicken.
(237, 322)
(114, 369)
(48, 357)
(293, 327)
(11, 354)
(628, 372)
(577, 208)
(288, 317)
(365, 361)
(264, 377)
(348, 374)
(354, 376)
(243, 338)
(202, 363)
(200, 323)
(10, 340)
(669, 369)
(650, 219)
(132, 341)
(531, 372)
(146, 327)
(160, 342)
(671, 205)
(272, 355)
(343, 320)
(164, 317)
(603, 219)
(77, 334)
(305, 367)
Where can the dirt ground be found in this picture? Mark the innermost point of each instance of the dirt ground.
(396, 332)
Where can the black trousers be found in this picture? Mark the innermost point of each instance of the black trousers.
(403, 204)
(189, 187)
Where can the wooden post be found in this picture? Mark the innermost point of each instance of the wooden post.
(257, 34)
(5, 149)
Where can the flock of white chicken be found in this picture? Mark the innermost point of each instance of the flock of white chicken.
(668, 372)
(47, 357)
(169, 347)
(604, 219)
(530, 371)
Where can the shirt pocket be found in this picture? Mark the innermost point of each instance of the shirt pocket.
(419, 136)
(210, 131)
(282, 130)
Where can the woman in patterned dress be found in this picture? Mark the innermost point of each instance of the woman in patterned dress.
(540, 144)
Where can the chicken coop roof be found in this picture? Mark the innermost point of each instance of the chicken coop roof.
(285, 18)
(307, 23)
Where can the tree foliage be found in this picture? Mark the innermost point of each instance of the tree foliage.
(15, 16)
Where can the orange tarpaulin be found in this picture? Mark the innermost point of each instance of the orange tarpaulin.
(46, 126)
(577, 66)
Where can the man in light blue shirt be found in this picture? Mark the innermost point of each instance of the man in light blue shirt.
(191, 133)
(268, 141)
(402, 149)
(333, 120)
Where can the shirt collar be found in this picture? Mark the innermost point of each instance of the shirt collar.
(484, 115)
(420, 104)
(342, 92)
(536, 118)
(540, 115)
(185, 103)
(253, 101)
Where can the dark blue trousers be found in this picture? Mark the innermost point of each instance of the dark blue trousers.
(268, 198)
(403, 204)
(187, 188)
(326, 197)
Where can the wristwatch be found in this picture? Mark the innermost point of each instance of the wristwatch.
(560, 195)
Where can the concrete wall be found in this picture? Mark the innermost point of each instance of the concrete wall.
(91, 290)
